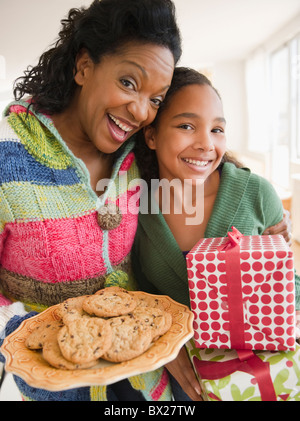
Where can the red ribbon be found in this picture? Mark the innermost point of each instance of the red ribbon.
(248, 362)
(234, 285)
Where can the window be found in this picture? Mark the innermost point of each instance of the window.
(273, 96)
(295, 97)
(280, 116)
(256, 68)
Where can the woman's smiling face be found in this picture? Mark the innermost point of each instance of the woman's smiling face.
(121, 94)
(189, 138)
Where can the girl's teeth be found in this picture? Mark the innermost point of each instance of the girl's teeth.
(196, 162)
(121, 125)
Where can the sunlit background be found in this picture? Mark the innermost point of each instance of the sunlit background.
(249, 48)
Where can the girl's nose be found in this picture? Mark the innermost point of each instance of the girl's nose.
(204, 142)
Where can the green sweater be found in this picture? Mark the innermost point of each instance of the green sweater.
(244, 200)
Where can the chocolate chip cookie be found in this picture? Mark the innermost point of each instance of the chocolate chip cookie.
(71, 309)
(84, 340)
(41, 333)
(130, 339)
(109, 302)
(52, 354)
(158, 320)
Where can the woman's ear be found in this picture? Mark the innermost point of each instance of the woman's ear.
(83, 66)
(149, 135)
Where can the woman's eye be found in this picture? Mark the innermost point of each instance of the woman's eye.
(128, 83)
(156, 102)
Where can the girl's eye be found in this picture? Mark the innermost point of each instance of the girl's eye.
(186, 127)
(218, 130)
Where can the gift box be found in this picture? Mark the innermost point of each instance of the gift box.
(225, 375)
(242, 292)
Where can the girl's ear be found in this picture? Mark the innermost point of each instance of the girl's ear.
(149, 134)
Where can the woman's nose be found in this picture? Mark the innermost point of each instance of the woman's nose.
(139, 109)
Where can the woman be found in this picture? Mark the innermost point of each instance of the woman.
(70, 128)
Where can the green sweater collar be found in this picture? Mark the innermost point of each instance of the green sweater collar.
(228, 198)
(164, 240)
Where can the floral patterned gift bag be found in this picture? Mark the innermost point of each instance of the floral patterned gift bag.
(226, 376)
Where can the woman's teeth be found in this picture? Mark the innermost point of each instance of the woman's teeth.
(119, 124)
(195, 162)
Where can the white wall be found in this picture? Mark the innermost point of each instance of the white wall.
(229, 80)
(270, 45)
(23, 38)
(25, 33)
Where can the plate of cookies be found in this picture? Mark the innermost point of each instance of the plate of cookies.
(97, 339)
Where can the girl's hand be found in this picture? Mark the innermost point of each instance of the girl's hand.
(181, 368)
(284, 228)
(298, 324)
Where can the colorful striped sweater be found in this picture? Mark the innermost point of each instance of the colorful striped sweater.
(54, 239)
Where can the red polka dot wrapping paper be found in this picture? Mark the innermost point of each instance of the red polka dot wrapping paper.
(267, 293)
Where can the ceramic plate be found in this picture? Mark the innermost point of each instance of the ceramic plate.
(31, 367)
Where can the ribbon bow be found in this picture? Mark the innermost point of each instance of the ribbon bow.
(234, 239)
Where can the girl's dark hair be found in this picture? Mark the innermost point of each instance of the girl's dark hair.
(103, 28)
(146, 158)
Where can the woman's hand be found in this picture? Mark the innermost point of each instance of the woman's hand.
(298, 325)
(284, 228)
(181, 368)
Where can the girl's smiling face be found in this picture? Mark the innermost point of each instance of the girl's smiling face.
(121, 94)
(189, 138)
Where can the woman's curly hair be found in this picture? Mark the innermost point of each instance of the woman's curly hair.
(101, 29)
(145, 157)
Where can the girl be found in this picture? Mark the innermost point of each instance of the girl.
(187, 141)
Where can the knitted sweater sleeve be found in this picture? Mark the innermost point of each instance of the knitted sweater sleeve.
(8, 310)
(269, 204)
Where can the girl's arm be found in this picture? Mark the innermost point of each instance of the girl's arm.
(284, 228)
